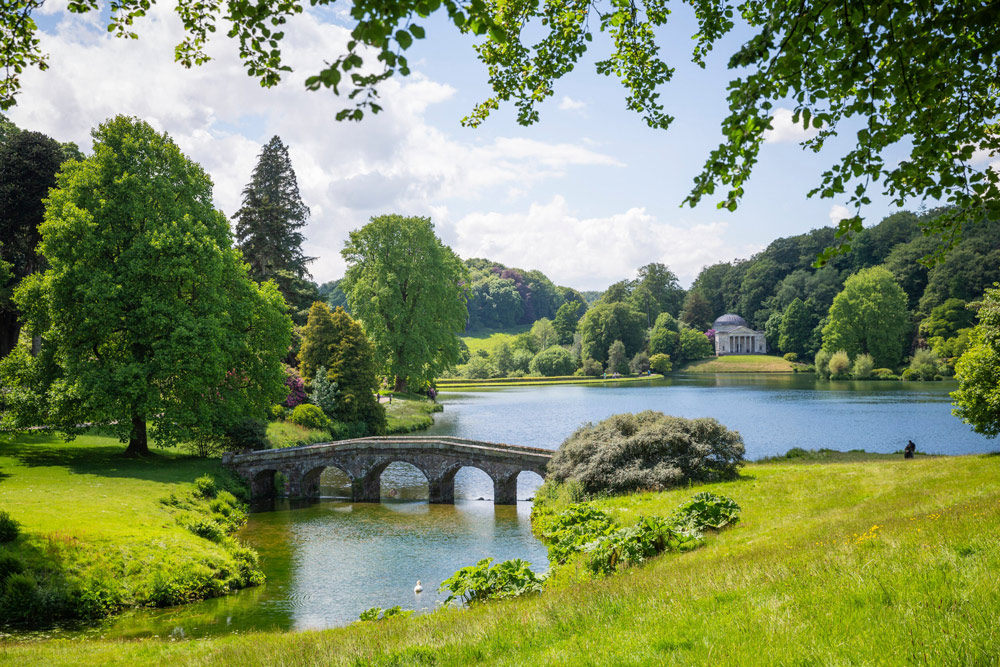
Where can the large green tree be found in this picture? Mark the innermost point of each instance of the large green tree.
(917, 78)
(656, 290)
(697, 311)
(605, 323)
(149, 322)
(567, 317)
(977, 399)
(28, 165)
(796, 328)
(869, 316)
(406, 286)
(269, 224)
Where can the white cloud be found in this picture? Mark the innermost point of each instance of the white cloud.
(395, 161)
(838, 213)
(591, 253)
(783, 130)
(567, 103)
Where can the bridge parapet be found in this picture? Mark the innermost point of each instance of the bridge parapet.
(439, 458)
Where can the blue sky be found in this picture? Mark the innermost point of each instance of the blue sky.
(587, 195)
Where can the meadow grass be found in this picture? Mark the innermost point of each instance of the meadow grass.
(740, 363)
(404, 415)
(287, 434)
(863, 562)
(95, 528)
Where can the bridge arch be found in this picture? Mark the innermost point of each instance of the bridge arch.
(311, 477)
(528, 482)
(262, 484)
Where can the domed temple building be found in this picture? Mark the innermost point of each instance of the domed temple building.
(734, 336)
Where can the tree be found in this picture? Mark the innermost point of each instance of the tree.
(977, 399)
(503, 358)
(28, 165)
(544, 333)
(639, 364)
(353, 367)
(269, 221)
(869, 315)
(605, 323)
(661, 363)
(796, 328)
(947, 319)
(665, 336)
(325, 392)
(697, 311)
(319, 337)
(616, 357)
(566, 320)
(656, 290)
(406, 287)
(694, 345)
(832, 67)
(553, 361)
(146, 312)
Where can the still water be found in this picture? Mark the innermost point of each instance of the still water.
(328, 560)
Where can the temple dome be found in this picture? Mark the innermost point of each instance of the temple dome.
(729, 320)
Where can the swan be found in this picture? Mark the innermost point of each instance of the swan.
(418, 588)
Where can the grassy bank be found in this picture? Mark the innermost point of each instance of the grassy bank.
(869, 561)
(461, 383)
(489, 340)
(407, 413)
(101, 533)
(741, 363)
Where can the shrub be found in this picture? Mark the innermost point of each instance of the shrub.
(574, 527)
(310, 416)
(296, 388)
(10, 528)
(481, 582)
(660, 363)
(863, 367)
(924, 365)
(639, 364)
(247, 435)
(205, 486)
(822, 363)
(592, 368)
(278, 412)
(9, 565)
(707, 511)
(883, 374)
(207, 528)
(649, 536)
(791, 356)
(648, 450)
(342, 431)
(20, 599)
(325, 392)
(379, 614)
(840, 365)
(520, 360)
(910, 374)
(552, 361)
(478, 368)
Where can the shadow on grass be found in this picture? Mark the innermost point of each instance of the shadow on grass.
(107, 460)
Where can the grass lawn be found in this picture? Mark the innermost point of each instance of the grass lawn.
(487, 340)
(869, 561)
(740, 363)
(93, 524)
(405, 415)
(461, 383)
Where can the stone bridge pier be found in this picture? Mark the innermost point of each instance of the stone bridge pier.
(365, 459)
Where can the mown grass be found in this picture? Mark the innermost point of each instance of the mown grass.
(405, 415)
(489, 340)
(859, 562)
(458, 383)
(741, 363)
(96, 534)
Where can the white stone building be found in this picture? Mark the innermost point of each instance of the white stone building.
(734, 336)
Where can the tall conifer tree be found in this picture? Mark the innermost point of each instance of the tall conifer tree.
(268, 227)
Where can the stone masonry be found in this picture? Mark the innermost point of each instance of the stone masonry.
(364, 459)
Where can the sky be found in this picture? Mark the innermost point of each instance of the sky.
(587, 195)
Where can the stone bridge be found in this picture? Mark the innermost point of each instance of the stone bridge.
(364, 459)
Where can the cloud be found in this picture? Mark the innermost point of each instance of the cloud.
(838, 213)
(567, 103)
(591, 253)
(395, 161)
(784, 131)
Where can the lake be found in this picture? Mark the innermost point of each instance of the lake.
(328, 560)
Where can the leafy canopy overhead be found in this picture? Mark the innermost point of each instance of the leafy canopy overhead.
(918, 76)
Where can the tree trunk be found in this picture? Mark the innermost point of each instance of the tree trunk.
(138, 443)
(400, 384)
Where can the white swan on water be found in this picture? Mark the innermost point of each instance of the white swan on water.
(418, 588)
